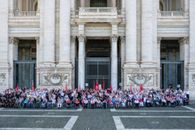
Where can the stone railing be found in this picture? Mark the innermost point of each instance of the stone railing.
(25, 13)
(171, 13)
(98, 12)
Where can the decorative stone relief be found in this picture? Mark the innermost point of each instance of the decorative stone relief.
(2, 79)
(140, 78)
(55, 79)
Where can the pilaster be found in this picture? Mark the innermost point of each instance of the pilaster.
(114, 63)
(81, 62)
(4, 67)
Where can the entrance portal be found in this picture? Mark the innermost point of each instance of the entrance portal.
(24, 67)
(172, 68)
(98, 63)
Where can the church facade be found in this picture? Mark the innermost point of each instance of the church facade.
(77, 43)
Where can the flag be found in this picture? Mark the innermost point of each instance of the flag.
(66, 88)
(130, 88)
(93, 85)
(33, 87)
(103, 84)
(97, 86)
(141, 88)
(17, 87)
(79, 88)
(111, 87)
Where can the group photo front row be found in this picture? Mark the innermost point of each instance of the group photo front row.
(92, 98)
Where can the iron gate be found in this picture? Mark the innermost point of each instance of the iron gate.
(24, 73)
(97, 70)
(172, 73)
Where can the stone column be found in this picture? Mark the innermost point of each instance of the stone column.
(131, 35)
(64, 57)
(81, 62)
(114, 63)
(123, 50)
(38, 8)
(73, 7)
(113, 3)
(158, 51)
(82, 3)
(11, 59)
(73, 4)
(147, 31)
(184, 56)
(73, 56)
(47, 30)
(38, 50)
(186, 5)
(122, 59)
(123, 6)
(11, 7)
(158, 58)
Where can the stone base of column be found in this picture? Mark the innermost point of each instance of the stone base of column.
(4, 77)
(191, 85)
(148, 77)
(57, 76)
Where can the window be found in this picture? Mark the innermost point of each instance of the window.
(98, 3)
(171, 5)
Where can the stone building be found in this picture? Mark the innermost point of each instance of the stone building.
(76, 43)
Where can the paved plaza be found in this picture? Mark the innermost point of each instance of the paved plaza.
(98, 119)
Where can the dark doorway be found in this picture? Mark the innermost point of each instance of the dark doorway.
(25, 66)
(97, 62)
(172, 69)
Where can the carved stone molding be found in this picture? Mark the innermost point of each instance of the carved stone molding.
(123, 38)
(81, 38)
(184, 40)
(13, 40)
(159, 40)
(140, 78)
(3, 79)
(114, 38)
(56, 79)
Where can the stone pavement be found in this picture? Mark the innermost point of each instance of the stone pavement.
(99, 119)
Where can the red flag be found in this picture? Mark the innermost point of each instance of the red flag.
(96, 86)
(103, 84)
(66, 88)
(111, 87)
(131, 88)
(141, 88)
(79, 88)
(33, 87)
(17, 87)
(93, 85)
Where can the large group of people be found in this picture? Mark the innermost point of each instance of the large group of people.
(90, 98)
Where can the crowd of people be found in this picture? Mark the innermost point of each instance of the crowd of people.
(90, 98)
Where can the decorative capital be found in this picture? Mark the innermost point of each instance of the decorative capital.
(37, 39)
(81, 38)
(123, 38)
(184, 40)
(114, 38)
(159, 40)
(13, 40)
